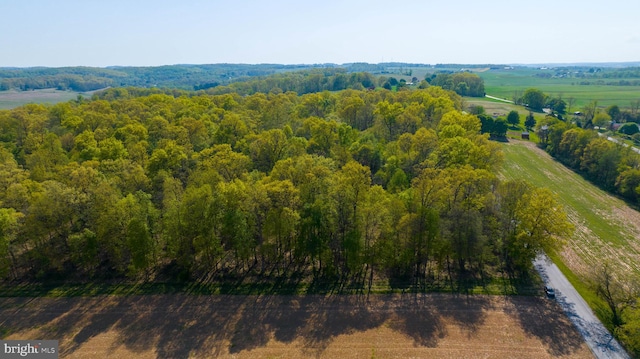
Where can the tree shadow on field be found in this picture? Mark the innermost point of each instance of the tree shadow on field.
(469, 312)
(182, 325)
(543, 318)
(269, 316)
(315, 320)
(419, 319)
(336, 315)
(65, 319)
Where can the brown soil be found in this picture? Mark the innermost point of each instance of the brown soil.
(383, 326)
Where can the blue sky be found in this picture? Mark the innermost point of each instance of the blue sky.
(149, 33)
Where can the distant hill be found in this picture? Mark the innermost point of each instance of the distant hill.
(186, 77)
(584, 64)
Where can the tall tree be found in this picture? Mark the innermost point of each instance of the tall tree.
(530, 121)
(542, 226)
(534, 98)
(388, 114)
(618, 295)
(267, 148)
(350, 189)
(9, 224)
(513, 118)
(350, 110)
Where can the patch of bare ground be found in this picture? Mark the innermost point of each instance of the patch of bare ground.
(630, 219)
(586, 249)
(381, 326)
(575, 261)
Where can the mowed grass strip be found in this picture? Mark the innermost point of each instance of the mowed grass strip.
(606, 229)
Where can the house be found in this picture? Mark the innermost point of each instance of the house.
(525, 135)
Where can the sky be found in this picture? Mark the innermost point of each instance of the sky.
(58, 33)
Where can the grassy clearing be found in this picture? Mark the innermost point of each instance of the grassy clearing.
(498, 107)
(13, 99)
(606, 228)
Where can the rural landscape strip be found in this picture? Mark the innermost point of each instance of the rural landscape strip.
(383, 116)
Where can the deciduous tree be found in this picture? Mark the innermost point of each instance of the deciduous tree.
(513, 118)
(534, 99)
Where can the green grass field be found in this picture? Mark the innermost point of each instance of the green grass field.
(494, 107)
(503, 84)
(607, 230)
(605, 225)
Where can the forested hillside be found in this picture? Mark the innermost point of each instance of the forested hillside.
(174, 76)
(356, 185)
(307, 78)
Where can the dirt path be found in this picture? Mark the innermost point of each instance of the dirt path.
(385, 326)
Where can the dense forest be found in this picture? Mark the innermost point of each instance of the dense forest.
(357, 186)
(301, 82)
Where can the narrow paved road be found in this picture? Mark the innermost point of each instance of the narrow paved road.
(598, 338)
(498, 98)
(615, 140)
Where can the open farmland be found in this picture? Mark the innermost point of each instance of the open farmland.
(503, 83)
(12, 99)
(606, 229)
(386, 326)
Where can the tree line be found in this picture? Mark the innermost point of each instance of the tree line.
(612, 166)
(361, 186)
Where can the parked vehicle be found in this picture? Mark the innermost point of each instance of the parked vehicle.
(550, 292)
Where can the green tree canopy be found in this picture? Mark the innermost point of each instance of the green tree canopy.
(534, 98)
(513, 118)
